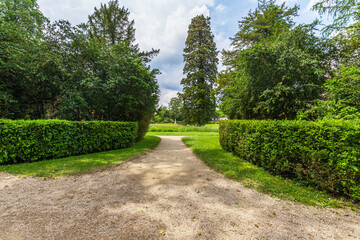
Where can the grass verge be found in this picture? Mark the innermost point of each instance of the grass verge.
(214, 128)
(183, 134)
(209, 150)
(81, 164)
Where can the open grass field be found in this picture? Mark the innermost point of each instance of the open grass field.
(81, 164)
(183, 134)
(180, 130)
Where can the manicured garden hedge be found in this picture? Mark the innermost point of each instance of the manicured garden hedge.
(29, 141)
(325, 153)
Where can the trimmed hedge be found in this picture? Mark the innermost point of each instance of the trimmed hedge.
(324, 153)
(28, 141)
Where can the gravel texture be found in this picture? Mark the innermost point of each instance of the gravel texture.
(165, 194)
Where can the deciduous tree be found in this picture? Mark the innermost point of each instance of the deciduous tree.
(275, 69)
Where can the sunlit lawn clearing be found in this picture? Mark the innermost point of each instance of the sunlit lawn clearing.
(183, 134)
(180, 128)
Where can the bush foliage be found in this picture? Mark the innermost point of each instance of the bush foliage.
(30, 141)
(324, 153)
(94, 71)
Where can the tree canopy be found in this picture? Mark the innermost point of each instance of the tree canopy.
(93, 71)
(200, 57)
(340, 99)
(275, 68)
(343, 12)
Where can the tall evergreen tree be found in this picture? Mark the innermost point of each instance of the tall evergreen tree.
(111, 25)
(200, 57)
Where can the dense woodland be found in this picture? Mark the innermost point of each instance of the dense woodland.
(276, 69)
(93, 71)
(280, 70)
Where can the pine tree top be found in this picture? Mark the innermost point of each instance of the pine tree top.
(200, 53)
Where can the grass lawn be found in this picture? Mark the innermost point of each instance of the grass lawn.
(81, 164)
(209, 150)
(183, 134)
(214, 128)
(210, 125)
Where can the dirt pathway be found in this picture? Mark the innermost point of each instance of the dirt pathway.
(166, 194)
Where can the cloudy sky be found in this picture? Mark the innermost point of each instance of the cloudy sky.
(163, 24)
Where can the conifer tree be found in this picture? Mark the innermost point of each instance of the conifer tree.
(110, 25)
(200, 57)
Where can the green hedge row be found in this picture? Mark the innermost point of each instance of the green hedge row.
(324, 153)
(29, 141)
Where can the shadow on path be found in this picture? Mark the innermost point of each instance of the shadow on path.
(166, 194)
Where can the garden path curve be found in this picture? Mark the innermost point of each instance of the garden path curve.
(166, 194)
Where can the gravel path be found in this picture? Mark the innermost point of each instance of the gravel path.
(166, 194)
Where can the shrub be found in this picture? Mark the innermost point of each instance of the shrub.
(324, 153)
(143, 126)
(29, 141)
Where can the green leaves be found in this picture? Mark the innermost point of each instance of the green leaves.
(200, 56)
(322, 153)
(30, 141)
(25, 14)
(110, 25)
(92, 71)
(264, 24)
(343, 12)
(340, 99)
(275, 70)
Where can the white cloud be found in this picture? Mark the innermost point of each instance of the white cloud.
(163, 24)
(220, 8)
(166, 96)
(160, 24)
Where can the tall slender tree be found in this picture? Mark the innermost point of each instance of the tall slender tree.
(200, 57)
(110, 25)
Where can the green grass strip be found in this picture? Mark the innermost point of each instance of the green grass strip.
(180, 128)
(81, 164)
(183, 134)
(209, 150)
